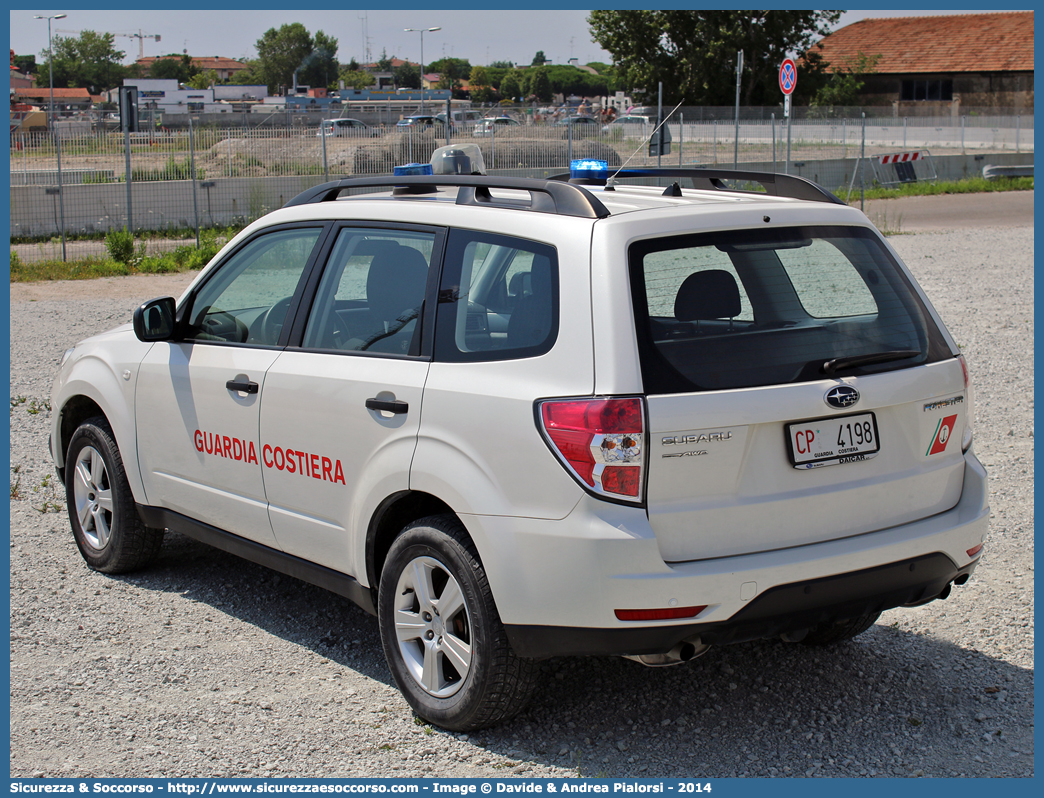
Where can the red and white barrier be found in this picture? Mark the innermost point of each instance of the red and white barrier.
(901, 157)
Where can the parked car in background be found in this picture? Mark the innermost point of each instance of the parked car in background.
(463, 121)
(423, 121)
(631, 126)
(497, 126)
(355, 128)
(579, 127)
(635, 126)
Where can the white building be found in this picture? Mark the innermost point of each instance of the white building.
(168, 97)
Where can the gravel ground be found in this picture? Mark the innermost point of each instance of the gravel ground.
(205, 665)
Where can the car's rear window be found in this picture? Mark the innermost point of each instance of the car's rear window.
(744, 308)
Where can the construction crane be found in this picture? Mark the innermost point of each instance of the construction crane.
(141, 37)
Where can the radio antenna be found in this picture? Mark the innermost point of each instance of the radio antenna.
(609, 182)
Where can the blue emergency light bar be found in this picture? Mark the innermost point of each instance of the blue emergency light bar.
(588, 169)
(412, 169)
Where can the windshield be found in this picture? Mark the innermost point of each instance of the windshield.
(745, 308)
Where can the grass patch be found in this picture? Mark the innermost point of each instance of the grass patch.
(84, 269)
(973, 185)
(173, 234)
(183, 259)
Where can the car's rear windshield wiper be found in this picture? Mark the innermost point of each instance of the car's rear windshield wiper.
(839, 363)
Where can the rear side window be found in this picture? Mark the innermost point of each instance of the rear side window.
(744, 308)
(498, 299)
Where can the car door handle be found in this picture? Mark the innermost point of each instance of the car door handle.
(243, 387)
(393, 406)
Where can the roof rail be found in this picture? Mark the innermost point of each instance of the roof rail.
(556, 197)
(775, 184)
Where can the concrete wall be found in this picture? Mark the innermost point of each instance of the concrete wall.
(168, 204)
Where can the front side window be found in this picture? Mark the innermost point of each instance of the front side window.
(498, 299)
(247, 299)
(371, 295)
(744, 308)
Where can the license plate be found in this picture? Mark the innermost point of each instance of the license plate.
(832, 441)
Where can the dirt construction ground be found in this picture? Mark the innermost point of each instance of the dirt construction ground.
(207, 666)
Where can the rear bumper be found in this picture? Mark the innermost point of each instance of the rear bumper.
(786, 608)
(557, 583)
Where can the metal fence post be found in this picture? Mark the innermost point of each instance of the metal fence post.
(1018, 129)
(326, 166)
(57, 153)
(61, 194)
(739, 73)
(493, 146)
(681, 137)
(962, 134)
(192, 167)
(904, 132)
(844, 137)
(714, 133)
(127, 158)
(773, 141)
(862, 162)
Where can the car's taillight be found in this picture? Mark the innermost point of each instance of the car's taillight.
(600, 441)
(966, 441)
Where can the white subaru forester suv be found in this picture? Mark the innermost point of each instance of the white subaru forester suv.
(519, 418)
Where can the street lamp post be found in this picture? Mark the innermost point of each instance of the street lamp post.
(422, 31)
(50, 57)
(57, 146)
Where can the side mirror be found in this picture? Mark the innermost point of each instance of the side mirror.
(154, 321)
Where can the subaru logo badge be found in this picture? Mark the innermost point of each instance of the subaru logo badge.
(842, 396)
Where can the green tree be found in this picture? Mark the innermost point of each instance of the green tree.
(694, 52)
(280, 53)
(357, 78)
(204, 79)
(511, 86)
(539, 59)
(89, 61)
(384, 64)
(451, 71)
(501, 65)
(174, 67)
(540, 84)
(247, 77)
(26, 64)
(407, 76)
(479, 76)
(320, 67)
(567, 79)
(844, 85)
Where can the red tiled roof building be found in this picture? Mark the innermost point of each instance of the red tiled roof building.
(964, 60)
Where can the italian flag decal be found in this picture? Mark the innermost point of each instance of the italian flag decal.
(942, 435)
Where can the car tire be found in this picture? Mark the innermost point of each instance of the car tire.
(829, 633)
(108, 532)
(441, 631)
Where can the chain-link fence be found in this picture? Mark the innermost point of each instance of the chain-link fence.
(185, 180)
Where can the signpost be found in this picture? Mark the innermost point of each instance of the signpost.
(787, 84)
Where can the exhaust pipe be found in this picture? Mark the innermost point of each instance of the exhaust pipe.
(683, 652)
